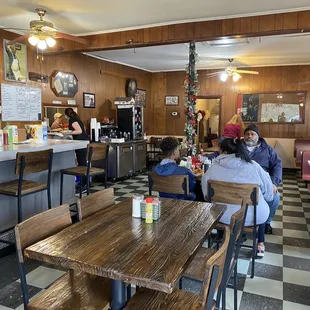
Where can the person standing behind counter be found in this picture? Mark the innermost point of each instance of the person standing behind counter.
(78, 133)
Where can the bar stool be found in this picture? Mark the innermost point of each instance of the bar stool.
(28, 163)
(97, 155)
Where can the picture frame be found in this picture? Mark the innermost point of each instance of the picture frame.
(89, 100)
(172, 100)
(140, 97)
(64, 84)
(15, 62)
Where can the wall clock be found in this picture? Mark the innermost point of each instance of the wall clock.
(64, 84)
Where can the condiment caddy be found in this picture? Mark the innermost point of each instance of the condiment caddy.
(148, 209)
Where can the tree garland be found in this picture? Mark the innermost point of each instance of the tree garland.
(191, 91)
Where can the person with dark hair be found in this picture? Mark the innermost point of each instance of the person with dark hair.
(267, 157)
(78, 133)
(170, 148)
(235, 165)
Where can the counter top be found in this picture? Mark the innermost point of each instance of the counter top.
(8, 152)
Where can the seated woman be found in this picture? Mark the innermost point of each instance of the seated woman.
(168, 166)
(58, 122)
(235, 165)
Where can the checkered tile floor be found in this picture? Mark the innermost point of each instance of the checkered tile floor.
(282, 277)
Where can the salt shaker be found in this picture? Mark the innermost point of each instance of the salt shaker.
(136, 208)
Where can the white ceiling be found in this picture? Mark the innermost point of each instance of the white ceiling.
(96, 16)
(252, 52)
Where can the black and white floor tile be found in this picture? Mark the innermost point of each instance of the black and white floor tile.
(282, 277)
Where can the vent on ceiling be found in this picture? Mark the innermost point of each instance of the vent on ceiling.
(228, 42)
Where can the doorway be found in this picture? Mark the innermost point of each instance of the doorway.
(208, 128)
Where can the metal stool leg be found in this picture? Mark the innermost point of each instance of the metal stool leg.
(235, 287)
(87, 185)
(81, 189)
(61, 186)
(49, 200)
(181, 283)
(128, 292)
(105, 180)
(23, 283)
(254, 250)
(19, 207)
(224, 298)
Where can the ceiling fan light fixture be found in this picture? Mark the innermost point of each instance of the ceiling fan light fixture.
(33, 40)
(42, 45)
(224, 77)
(50, 41)
(236, 77)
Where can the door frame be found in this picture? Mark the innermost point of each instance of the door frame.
(220, 113)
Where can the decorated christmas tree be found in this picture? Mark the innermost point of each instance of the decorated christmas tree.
(191, 91)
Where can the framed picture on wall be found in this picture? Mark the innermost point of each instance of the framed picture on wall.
(140, 97)
(15, 62)
(89, 100)
(172, 100)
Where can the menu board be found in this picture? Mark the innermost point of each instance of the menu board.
(248, 106)
(21, 103)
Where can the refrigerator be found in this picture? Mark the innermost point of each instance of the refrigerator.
(130, 120)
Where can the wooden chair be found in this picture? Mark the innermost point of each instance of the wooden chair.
(172, 184)
(235, 193)
(181, 300)
(196, 268)
(97, 155)
(94, 203)
(28, 163)
(74, 290)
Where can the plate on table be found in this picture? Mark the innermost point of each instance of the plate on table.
(22, 142)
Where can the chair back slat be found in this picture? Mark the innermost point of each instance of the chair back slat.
(100, 151)
(95, 202)
(217, 259)
(232, 193)
(34, 161)
(41, 226)
(172, 184)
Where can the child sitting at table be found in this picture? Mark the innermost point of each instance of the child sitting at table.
(168, 166)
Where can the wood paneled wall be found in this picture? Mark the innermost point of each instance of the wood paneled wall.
(106, 85)
(270, 79)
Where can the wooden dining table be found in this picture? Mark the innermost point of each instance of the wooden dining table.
(113, 244)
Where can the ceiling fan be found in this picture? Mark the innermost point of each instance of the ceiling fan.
(231, 71)
(42, 33)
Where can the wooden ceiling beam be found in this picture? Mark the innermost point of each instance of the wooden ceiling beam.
(255, 26)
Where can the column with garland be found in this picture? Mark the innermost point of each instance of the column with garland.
(191, 91)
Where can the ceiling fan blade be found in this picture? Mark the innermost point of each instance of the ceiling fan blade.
(22, 29)
(72, 38)
(47, 28)
(17, 40)
(215, 73)
(246, 71)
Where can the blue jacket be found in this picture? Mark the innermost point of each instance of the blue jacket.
(268, 159)
(169, 167)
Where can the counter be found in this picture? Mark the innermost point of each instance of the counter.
(64, 157)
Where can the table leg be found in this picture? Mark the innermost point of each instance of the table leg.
(118, 295)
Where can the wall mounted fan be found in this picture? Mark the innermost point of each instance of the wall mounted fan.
(231, 71)
(42, 33)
